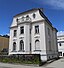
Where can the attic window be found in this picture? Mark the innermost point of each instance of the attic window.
(34, 15)
(27, 17)
(17, 20)
(23, 18)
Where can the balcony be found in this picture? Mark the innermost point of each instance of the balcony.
(24, 19)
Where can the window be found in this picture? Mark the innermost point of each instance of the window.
(27, 17)
(37, 29)
(59, 44)
(21, 45)
(34, 15)
(57, 39)
(49, 45)
(22, 30)
(48, 31)
(17, 20)
(30, 47)
(14, 46)
(37, 45)
(63, 54)
(15, 33)
(60, 53)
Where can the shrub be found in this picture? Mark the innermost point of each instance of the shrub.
(22, 59)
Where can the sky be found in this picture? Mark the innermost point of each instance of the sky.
(53, 9)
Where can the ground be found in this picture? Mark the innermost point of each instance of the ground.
(56, 64)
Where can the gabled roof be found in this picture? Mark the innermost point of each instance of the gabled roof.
(46, 19)
(27, 11)
(41, 13)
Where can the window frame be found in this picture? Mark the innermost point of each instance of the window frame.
(49, 32)
(60, 53)
(22, 30)
(36, 29)
(50, 49)
(36, 45)
(34, 15)
(21, 48)
(60, 44)
(14, 46)
(15, 33)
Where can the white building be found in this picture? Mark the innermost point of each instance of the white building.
(32, 33)
(60, 40)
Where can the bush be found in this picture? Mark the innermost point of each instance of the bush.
(22, 59)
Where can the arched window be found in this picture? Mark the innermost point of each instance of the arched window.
(37, 45)
(21, 45)
(14, 46)
(34, 15)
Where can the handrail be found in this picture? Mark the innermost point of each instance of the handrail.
(24, 19)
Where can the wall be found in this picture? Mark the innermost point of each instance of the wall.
(51, 49)
(60, 39)
(46, 51)
(4, 43)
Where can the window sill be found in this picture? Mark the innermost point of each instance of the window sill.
(37, 50)
(14, 36)
(21, 51)
(13, 51)
(22, 34)
(37, 34)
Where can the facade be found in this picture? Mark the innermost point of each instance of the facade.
(32, 33)
(4, 43)
(60, 40)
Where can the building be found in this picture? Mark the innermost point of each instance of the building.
(60, 40)
(4, 43)
(32, 33)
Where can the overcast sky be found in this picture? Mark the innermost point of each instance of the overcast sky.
(53, 9)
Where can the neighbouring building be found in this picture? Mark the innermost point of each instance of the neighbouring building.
(60, 40)
(32, 33)
(4, 43)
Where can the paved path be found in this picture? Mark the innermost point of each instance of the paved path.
(6, 65)
(56, 64)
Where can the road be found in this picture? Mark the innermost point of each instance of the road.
(56, 64)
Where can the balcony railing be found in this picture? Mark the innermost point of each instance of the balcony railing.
(24, 19)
